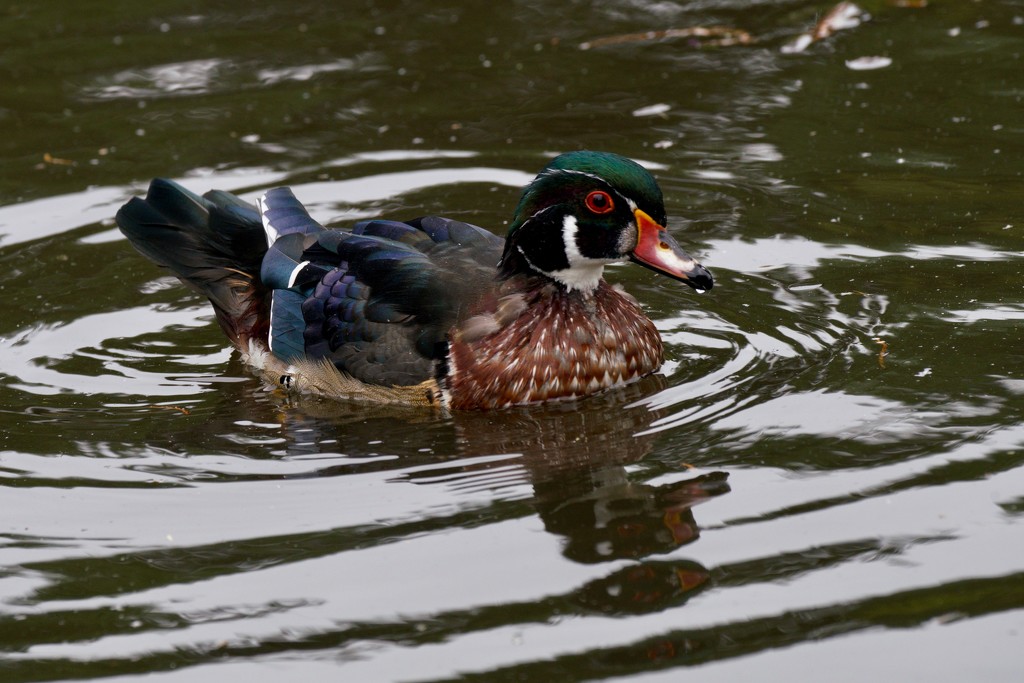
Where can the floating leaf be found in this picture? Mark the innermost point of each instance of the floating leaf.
(715, 35)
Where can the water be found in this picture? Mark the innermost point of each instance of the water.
(827, 476)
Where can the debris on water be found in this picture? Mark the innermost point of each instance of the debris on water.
(799, 44)
(50, 160)
(868, 63)
(719, 36)
(882, 352)
(652, 110)
(843, 16)
(183, 411)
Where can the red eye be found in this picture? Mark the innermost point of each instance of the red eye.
(600, 201)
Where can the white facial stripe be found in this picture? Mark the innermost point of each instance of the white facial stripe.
(537, 213)
(583, 273)
(572, 250)
(630, 202)
(270, 230)
(583, 173)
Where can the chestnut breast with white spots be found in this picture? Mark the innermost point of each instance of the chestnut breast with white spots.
(547, 344)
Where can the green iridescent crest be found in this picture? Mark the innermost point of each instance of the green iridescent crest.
(567, 171)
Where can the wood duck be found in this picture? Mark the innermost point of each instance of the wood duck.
(431, 311)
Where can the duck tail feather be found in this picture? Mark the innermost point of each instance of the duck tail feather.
(214, 244)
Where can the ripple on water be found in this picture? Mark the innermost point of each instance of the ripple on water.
(209, 76)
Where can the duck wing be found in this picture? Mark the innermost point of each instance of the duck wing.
(378, 300)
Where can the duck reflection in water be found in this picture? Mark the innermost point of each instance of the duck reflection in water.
(575, 457)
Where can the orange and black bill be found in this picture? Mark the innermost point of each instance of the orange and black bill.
(658, 250)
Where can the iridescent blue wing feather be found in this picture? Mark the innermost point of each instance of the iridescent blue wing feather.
(383, 311)
(283, 214)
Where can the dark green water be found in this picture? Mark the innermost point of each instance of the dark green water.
(861, 515)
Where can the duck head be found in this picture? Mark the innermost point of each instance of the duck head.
(586, 210)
